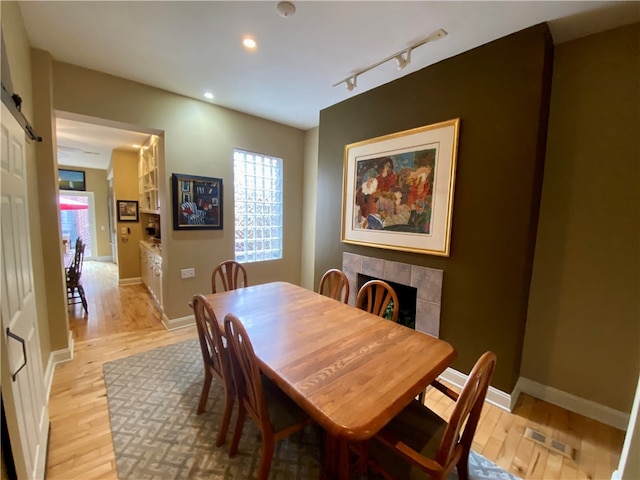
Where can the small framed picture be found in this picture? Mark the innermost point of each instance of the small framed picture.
(127, 211)
(197, 202)
(71, 180)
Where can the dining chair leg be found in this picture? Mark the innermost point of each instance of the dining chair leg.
(463, 466)
(268, 447)
(226, 418)
(237, 432)
(204, 395)
(83, 298)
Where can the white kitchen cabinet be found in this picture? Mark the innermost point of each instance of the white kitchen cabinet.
(151, 270)
(148, 178)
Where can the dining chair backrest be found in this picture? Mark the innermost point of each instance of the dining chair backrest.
(75, 268)
(246, 372)
(73, 274)
(463, 422)
(375, 296)
(275, 414)
(429, 443)
(210, 335)
(335, 284)
(230, 274)
(215, 358)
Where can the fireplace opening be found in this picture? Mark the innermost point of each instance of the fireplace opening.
(407, 297)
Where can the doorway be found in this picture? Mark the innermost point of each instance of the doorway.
(77, 219)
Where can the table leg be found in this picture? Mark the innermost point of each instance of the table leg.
(336, 459)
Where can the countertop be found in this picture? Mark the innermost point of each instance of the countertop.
(153, 246)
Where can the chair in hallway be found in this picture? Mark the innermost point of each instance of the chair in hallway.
(75, 291)
(335, 284)
(216, 361)
(375, 296)
(230, 274)
(274, 413)
(418, 443)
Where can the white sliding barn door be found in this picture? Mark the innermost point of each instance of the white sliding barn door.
(23, 392)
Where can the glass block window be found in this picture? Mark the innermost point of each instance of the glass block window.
(258, 207)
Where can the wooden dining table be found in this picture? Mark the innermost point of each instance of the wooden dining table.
(350, 370)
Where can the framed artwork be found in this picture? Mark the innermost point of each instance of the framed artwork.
(197, 202)
(398, 189)
(127, 210)
(71, 180)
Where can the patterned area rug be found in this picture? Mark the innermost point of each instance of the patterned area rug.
(153, 398)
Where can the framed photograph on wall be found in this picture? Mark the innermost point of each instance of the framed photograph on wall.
(197, 202)
(71, 180)
(127, 210)
(398, 189)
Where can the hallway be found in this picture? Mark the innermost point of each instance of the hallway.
(122, 321)
(113, 309)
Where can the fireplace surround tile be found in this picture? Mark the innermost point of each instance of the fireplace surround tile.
(427, 281)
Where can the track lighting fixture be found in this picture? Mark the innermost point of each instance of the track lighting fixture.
(402, 58)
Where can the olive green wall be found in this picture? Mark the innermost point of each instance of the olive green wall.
(500, 92)
(583, 326)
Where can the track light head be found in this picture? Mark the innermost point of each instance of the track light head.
(403, 61)
(351, 82)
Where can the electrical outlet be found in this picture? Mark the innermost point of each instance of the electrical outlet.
(188, 272)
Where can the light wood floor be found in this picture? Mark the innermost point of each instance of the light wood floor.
(123, 321)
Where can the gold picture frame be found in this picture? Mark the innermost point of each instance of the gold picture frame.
(398, 189)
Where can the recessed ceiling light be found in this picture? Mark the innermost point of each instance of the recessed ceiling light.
(208, 95)
(249, 43)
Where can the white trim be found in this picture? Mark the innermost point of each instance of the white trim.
(130, 281)
(494, 396)
(106, 258)
(573, 403)
(56, 357)
(175, 323)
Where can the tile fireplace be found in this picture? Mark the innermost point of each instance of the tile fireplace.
(427, 282)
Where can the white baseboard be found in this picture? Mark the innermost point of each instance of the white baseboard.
(104, 259)
(55, 357)
(130, 281)
(494, 396)
(175, 323)
(573, 403)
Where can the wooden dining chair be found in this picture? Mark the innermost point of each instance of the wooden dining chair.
(275, 414)
(216, 361)
(230, 274)
(375, 296)
(335, 284)
(73, 273)
(418, 443)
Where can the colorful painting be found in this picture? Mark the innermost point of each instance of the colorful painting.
(197, 202)
(398, 190)
(395, 192)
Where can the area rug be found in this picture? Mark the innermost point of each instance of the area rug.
(153, 398)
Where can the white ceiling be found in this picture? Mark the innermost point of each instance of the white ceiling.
(192, 47)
